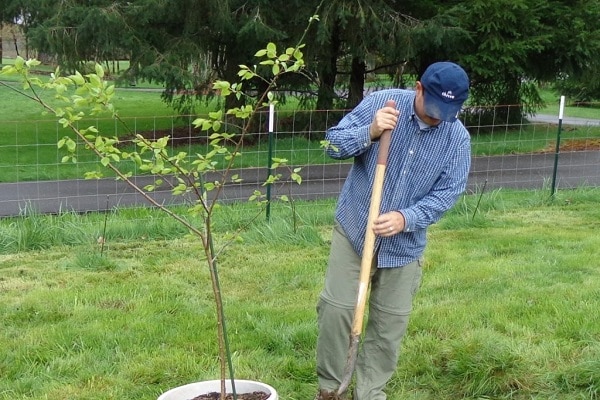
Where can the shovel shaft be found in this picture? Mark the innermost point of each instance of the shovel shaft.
(368, 252)
(367, 258)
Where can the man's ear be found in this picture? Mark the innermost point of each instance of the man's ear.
(419, 86)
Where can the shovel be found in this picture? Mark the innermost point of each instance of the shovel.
(367, 257)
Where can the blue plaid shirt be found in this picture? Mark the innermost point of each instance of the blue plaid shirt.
(426, 172)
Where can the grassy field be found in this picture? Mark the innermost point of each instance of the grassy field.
(508, 308)
(28, 137)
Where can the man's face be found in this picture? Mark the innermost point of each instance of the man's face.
(420, 107)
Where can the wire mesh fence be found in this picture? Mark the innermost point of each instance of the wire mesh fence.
(508, 152)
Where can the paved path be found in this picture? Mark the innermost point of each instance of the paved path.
(553, 119)
(525, 171)
(530, 171)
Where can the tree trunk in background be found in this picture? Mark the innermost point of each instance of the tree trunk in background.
(1, 53)
(357, 82)
(16, 41)
(328, 72)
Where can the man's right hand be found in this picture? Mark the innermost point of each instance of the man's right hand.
(385, 118)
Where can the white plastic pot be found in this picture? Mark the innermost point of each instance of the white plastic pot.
(192, 390)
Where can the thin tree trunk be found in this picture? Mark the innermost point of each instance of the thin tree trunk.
(328, 73)
(357, 82)
(15, 41)
(1, 52)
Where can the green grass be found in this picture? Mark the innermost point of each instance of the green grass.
(526, 139)
(28, 138)
(552, 100)
(507, 308)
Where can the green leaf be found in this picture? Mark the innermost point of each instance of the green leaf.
(257, 195)
(78, 79)
(93, 175)
(71, 145)
(32, 63)
(179, 190)
(296, 178)
(271, 49)
(19, 63)
(216, 114)
(95, 81)
(276, 69)
(99, 70)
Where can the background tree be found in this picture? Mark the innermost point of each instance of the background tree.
(513, 45)
(356, 38)
(192, 42)
(506, 46)
(575, 48)
(505, 36)
(9, 12)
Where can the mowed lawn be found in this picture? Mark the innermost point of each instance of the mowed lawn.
(508, 307)
(28, 137)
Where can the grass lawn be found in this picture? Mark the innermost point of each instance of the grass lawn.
(508, 308)
(552, 107)
(28, 137)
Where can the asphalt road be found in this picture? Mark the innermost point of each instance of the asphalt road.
(531, 171)
(524, 171)
(553, 119)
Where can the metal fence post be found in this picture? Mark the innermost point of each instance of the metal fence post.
(270, 158)
(557, 151)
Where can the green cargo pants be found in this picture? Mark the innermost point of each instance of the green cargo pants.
(390, 304)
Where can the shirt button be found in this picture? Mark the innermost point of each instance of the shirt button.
(411, 152)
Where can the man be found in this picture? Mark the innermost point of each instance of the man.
(427, 170)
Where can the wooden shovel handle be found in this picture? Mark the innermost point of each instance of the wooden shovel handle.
(367, 257)
(369, 245)
(384, 147)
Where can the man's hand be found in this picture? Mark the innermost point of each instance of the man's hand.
(385, 118)
(389, 224)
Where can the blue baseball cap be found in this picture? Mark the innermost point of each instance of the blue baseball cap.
(446, 87)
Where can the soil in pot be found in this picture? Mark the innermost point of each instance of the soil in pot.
(229, 396)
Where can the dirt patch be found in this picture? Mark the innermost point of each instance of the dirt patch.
(184, 136)
(574, 145)
(179, 135)
(229, 396)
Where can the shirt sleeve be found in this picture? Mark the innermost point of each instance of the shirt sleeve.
(351, 136)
